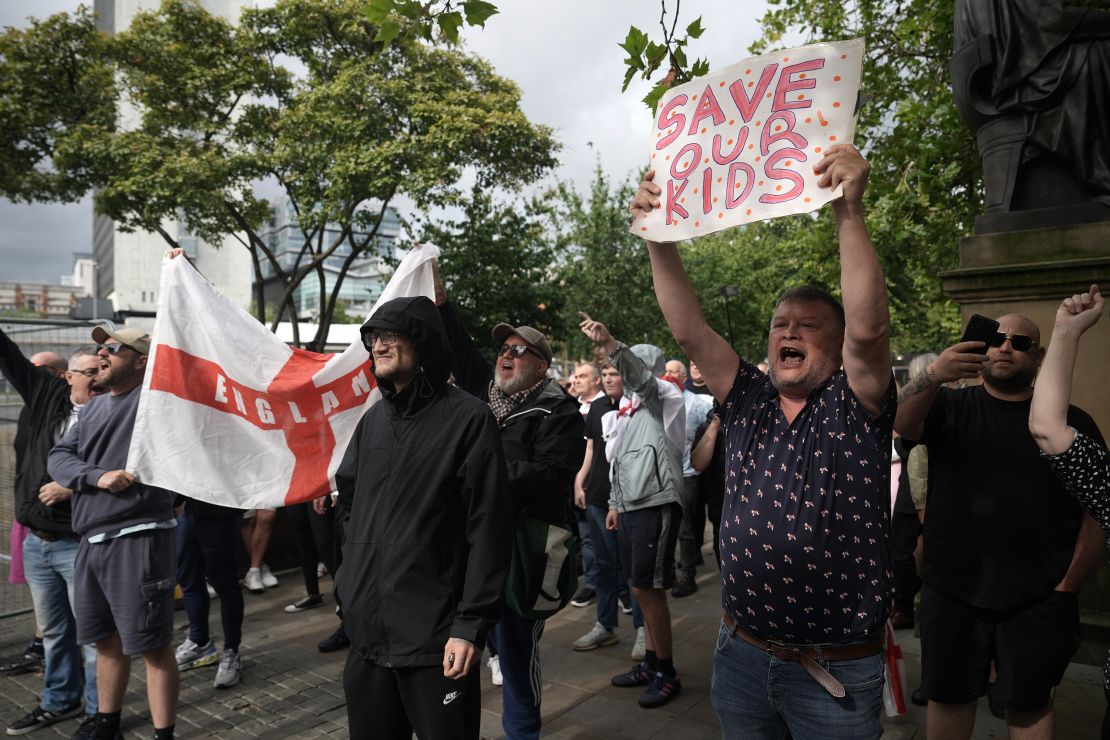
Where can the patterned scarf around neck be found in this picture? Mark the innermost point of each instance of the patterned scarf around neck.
(502, 405)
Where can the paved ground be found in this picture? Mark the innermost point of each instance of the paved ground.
(289, 690)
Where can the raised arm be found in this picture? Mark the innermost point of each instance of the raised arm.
(960, 361)
(717, 361)
(862, 285)
(1048, 414)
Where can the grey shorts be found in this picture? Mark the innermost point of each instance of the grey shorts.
(646, 538)
(125, 585)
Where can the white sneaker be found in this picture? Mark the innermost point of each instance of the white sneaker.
(191, 655)
(599, 636)
(211, 591)
(321, 570)
(639, 650)
(494, 664)
(227, 675)
(268, 579)
(253, 581)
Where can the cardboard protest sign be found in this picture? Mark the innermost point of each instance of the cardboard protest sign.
(739, 144)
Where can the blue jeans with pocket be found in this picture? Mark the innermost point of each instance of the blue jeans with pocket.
(760, 697)
(49, 570)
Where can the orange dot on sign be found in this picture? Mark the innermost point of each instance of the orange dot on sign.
(720, 214)
(730, 141)
(787, 163)
(705, 161)
(768, 96)
(778, 187)
(836, 104)
(809, 120)
(721, 83)
(751, 84)
(817, 149)
(667, 157)
(807, 200)
(703, 130)
(758, 158)
(695, 191)
(760, 183)
(802, 76)
(748, 212)
(843, 56)
(786, 59)
(836, 78)
(731, 121)
(751, 146)
(832, 138)
(719, 179)
(738, 186)
(757, 123)
(747, 71)
(681, 200)
(694, 97)
(778, 128)
(715, 197)
(697, 223)
(643, 228)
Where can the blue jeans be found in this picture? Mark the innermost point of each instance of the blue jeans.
(760, 697)
(49, 570)
(586, 545)
(517, 642)
(208, 549)
(607, 559)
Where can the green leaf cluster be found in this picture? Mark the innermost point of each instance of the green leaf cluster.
(184, 115)
(646, 57)
(429, 20)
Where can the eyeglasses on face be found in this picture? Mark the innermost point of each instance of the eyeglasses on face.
(385, 336)
(514, 350)
(115, 347)
(88, 373)
(1019, 342)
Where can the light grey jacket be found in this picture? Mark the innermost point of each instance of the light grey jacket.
(646, 461)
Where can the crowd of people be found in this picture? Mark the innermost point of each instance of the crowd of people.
(468, 490)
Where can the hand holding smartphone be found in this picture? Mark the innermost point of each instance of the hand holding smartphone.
(980, 329)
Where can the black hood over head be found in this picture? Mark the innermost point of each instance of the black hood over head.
(418, 320)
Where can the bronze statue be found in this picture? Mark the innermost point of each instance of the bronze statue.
(1031, 79)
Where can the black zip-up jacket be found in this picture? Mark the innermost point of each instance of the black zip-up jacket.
(47, 407)
(428, 539)
(543, 440)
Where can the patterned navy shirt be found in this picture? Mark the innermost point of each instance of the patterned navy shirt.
(806, 519)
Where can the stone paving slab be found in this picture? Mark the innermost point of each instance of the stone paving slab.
(289, 690)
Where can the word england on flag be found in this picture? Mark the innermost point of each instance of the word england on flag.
(231, 415)
(738, 145)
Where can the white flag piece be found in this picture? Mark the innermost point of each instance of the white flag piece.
(231, 415)
(738, 145)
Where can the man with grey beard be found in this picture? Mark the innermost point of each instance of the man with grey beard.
(542, 434)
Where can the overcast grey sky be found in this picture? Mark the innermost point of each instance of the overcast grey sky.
(563, 55)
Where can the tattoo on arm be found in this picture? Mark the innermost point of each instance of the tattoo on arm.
(918, 385)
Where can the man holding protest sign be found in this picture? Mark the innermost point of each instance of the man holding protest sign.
(805, 564)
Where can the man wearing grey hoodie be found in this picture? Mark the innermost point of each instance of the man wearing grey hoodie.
(644, 442)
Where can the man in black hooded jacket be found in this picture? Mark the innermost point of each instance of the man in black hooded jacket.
(427, 541)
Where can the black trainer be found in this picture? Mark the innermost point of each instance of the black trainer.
(335, 641)
(584, 598)
(86, 730)
(637, 675)
(40, 717)
(685, 587)
(308, 602)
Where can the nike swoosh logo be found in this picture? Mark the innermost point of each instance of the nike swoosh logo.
(451, 697)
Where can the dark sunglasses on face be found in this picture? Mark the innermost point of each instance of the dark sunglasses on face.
(385, 336)
(114, 348)
(90, 373)
(1019, 342)
(514, 350)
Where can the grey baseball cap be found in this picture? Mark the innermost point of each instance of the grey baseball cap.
(534, 338)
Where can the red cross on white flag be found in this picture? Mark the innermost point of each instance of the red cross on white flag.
(232, 415)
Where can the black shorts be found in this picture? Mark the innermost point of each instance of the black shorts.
(647, 538)
(125, 585)
(1031, 648)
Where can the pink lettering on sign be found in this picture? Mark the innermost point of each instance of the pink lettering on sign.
(747, 137)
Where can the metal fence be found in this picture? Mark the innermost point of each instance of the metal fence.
(32, 336)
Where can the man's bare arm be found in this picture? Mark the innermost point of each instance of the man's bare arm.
(862, 285)
(960, 361)
(580, 479)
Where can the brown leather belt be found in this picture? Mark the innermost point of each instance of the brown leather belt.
(809, 655)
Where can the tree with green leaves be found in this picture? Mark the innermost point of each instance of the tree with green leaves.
(184, 114)
(925, 184)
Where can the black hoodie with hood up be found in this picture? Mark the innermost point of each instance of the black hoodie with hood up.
(428, 540)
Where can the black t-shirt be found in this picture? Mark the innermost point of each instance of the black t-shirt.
(1000, 529)
(597, 480)
(711, 481)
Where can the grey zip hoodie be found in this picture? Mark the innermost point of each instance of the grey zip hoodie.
(647, 464)
(97, 444)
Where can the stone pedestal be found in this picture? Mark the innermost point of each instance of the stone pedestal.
(1030, 272)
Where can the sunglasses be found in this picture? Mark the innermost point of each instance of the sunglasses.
(90, 373)
(513, 350)
(115, 347)
(1019, 342)
(386, 337)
